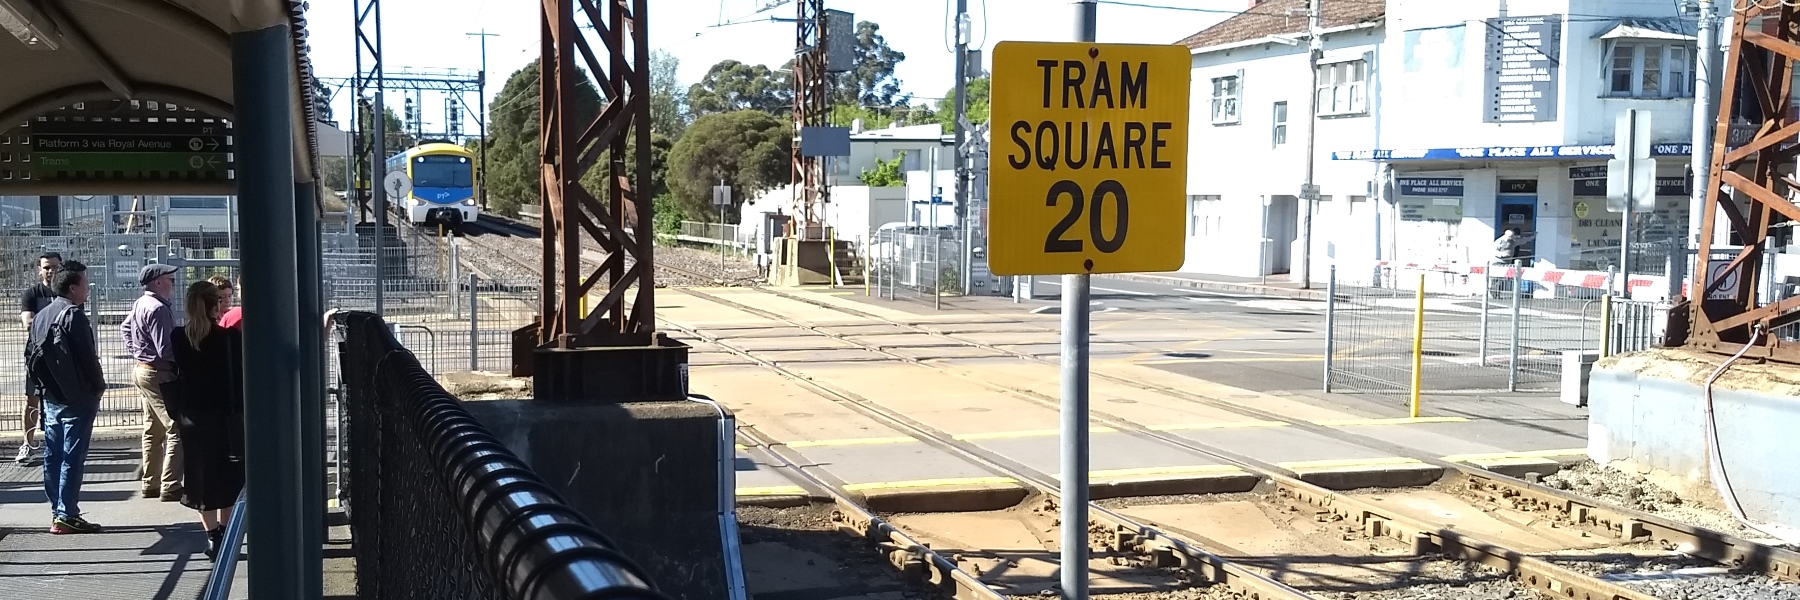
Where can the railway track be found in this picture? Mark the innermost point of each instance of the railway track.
(528, 256)
(1472, 527)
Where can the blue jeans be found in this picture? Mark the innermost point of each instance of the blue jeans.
(67, 430)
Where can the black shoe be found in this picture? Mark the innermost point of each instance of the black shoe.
(66, 525)
(213, 538)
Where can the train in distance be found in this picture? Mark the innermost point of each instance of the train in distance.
(443, 184)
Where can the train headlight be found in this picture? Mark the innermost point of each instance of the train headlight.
(469, 202)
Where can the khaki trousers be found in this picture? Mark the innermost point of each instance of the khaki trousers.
(161, 469)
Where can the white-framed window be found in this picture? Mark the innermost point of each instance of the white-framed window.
(1227, 95)
(1342, 87)
(1203, 215)
(1280, 128)
(1649, 69)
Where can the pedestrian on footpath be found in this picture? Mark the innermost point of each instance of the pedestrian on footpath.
(148, 331)
(207, 401)
(33, 300)
(62, 359)
(234, 314)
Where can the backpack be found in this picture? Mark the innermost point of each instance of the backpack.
(35, 349)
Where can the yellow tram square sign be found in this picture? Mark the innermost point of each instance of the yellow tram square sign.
(1087, 172)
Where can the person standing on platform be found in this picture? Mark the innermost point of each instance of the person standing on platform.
(34, 299)
(207, 400)
(234, 314)
(148, 331)
(63, 362)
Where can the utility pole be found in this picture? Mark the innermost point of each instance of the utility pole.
(1074, 461)
(1309, 191)
(962, 136)
(1705, 120)
(481, 121)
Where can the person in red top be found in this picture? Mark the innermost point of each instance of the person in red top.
(234, 314)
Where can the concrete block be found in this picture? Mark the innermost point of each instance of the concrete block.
(647, 475)
(1575, 368)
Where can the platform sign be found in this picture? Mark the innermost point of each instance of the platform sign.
(172, 149)
(1088, 173)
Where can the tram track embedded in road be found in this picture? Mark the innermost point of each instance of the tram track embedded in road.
(1627, 526)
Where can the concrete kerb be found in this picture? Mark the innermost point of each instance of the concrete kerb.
(1222, 286)
(111, 432)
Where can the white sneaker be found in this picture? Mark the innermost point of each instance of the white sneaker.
(25, 454)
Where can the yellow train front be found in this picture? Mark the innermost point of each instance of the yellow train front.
(443, 184)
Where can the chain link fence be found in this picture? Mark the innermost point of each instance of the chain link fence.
(1460, 333)
(915, 266)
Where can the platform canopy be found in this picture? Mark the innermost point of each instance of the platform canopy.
(163, 57)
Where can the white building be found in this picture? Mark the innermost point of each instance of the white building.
(856, 210)
(1439, 125)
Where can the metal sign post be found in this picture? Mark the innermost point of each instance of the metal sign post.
(1110, 200)
(1630, 182)
(721, 197)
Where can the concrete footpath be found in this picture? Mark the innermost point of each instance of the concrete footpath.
(807, 368)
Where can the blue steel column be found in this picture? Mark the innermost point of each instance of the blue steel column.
(263, 82)
(312, 385)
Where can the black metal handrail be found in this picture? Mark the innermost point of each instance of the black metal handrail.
(513, 536)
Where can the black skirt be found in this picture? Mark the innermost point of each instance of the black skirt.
(212, 458)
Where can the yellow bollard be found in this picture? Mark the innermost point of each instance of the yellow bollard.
(1418, 350)
(582, 304)
(1606, 326)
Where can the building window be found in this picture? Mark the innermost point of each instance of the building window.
(1280, 123)
(1341, 88)
(1226, 93)
(1203, 217)
(1650, 70)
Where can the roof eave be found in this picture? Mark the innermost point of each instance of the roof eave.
(1277, 39)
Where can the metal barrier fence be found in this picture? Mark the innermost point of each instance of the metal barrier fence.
(441, 509)
(1435, 332)
(728, 236)
(914, 266)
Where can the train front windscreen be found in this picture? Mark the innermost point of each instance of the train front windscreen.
(442, 172)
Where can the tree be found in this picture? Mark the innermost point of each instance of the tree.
(321, 100)
(871, 82)
(668, 113)
(513, 118)
(978, 105)
(732, 86)
(595, 179)
(748, 149)
(885, 174)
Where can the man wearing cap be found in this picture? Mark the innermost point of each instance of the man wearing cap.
(148, 330)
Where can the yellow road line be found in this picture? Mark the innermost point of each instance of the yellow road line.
(774, 490)
(1320, 465)
(1155, 471)
(1503, 456)
(849, 442)
(1006, 435)
(1394, 421)
(929, 483)
(1269, 359)
(1224, 425)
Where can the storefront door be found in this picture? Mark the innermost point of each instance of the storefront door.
(1518, 212)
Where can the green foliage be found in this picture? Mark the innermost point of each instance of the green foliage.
(871, 82)
(668, 110)
(748, 149)
(669, 215)
(595, 179)
(513, 163)
(978, 105)
(733, 86)
(885, 174)
(843, 115)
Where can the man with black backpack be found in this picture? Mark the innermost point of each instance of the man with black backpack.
(63, 361)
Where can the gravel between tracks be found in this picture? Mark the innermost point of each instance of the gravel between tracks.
(1631, 490)
(1440, 579)
(798, 552)
(1660, 576)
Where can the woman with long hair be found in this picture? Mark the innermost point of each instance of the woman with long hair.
(207, 399)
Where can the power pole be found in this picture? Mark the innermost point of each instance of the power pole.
(1309, 191)
(1704, 122)
(962, 135)
(481, 92)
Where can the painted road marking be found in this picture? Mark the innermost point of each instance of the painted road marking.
(1004, 435)
(1158, 471)
(929, 483)
(1396, 421)
(1225, 425)
(1323, 465)
(773, 490)
(848, 442)
(1260, 359)
(1510, 456)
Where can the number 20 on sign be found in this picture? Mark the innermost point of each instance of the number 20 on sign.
(1088, 167)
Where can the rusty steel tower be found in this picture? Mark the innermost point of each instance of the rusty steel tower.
(812, 108)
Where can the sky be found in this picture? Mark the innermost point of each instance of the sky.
(427, 35)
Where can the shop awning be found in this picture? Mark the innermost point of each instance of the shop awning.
(1650, 29)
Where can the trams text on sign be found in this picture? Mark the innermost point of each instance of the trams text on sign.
(1089, 168)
